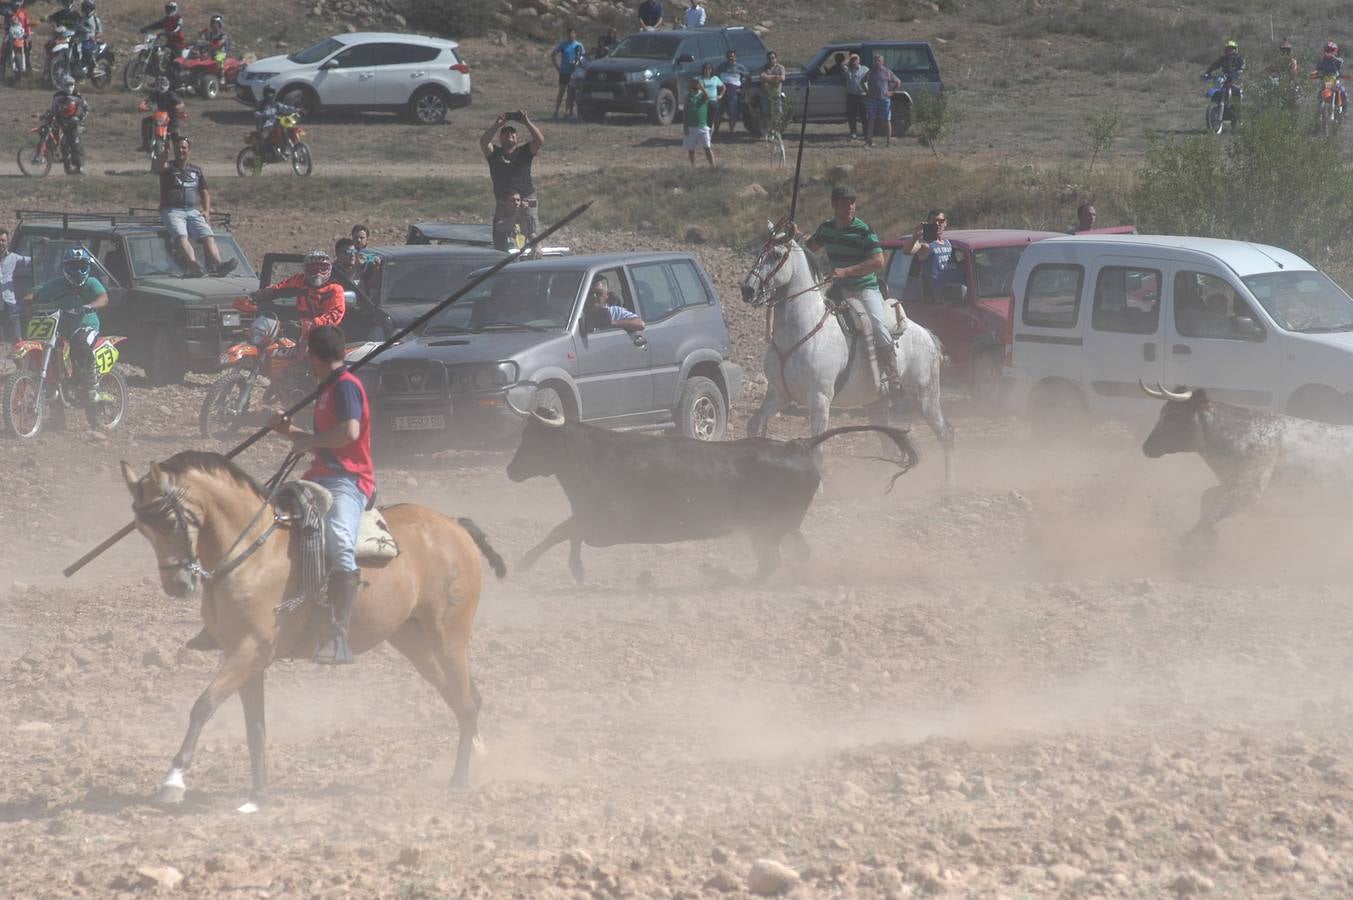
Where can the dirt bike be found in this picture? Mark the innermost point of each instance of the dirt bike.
(42, 386)
(57, 61)
(206, 72)
(93, 61)
(1329, 111)
(1225, 96)
(160, 132)
(149, 60)
(15, 53)
(282, 144)
(268, 353)
(52, 144)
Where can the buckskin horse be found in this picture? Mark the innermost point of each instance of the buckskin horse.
(214, 531)
(811, 363)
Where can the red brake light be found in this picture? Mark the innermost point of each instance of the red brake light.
(461, 68)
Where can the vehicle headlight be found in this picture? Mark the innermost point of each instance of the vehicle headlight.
(230, 320)
(645, 75)
(488, 377)
(200, 318)
(261, 76)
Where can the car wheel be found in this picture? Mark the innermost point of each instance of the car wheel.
(590, 112)
(300, 98)
(1320, 404)
(702, 413)
(547, 397)
(1057, 410)
(208, 87)
(161, 362)
(428, 106)
(664, 108)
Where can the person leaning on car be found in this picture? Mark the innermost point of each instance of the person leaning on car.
(510, 168)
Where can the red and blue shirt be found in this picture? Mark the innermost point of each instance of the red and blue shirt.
(343, 400)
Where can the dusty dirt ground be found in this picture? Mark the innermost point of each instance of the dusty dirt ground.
(1015, 689)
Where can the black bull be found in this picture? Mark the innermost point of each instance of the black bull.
(626, 488)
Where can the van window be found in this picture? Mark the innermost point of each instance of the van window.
(747, 45)
(901, 60)
(709, 47)
(1206, 306)
(657, 290)
(1303, 301)
(1127, 300)
(1053, 297)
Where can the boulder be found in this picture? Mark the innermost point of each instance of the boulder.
(769, 878)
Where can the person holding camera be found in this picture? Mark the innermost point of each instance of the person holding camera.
(936, 254)
(510, 168)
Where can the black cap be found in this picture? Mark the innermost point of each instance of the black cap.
(843, 192)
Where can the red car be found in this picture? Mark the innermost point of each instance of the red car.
(971, 319)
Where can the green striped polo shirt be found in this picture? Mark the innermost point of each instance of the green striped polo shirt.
(849, 246)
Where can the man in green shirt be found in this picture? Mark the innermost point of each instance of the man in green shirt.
(697, 122)
(856, 258)
(77, 295)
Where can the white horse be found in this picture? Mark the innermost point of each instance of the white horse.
(811, 363)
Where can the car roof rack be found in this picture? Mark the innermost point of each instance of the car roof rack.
(136, 215)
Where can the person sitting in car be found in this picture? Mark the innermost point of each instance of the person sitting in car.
(602, 313)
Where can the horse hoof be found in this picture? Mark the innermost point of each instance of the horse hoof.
(170, 794)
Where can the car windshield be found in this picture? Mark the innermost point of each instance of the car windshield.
(151, 256)
(539, 299)
(424, 280)
(316, 52)
(993, 269)
(646, 46)
(1307, 302)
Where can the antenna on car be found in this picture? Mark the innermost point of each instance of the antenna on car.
(357, 364)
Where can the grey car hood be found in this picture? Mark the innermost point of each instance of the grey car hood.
(453, 349)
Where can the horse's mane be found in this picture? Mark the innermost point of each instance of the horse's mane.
(211, 463)
(814, 267)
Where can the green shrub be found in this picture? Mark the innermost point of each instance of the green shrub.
(934, 119)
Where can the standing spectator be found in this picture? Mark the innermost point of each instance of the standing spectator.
(605, 44)
(694, 16)
(650, 15)
(510, 168)
(368, 263)
(566, 56)
(11, 264)
(714, 88)
(937, 255)
(772, 79)
(183, 186)
(879, 86)
(734, 76)
(1085, 218)
(697, 122)
(855, 74)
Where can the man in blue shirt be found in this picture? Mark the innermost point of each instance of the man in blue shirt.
(650, 15)
(937, 256)
(566, 56)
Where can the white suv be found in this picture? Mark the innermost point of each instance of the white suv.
(372, 70)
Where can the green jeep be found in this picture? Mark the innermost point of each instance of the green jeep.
(175, 322)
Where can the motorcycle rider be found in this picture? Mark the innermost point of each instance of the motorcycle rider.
(171, 26)
(68, 112)
(161, 98)
(319, 298)
(1331, 63)
(214, 41)
(87, 28)
(77, 294)
(266, 114)
(68, 16)
(15, 14)
(1231, 63)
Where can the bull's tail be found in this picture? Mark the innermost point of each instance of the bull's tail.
(899, 436)
(482, 542)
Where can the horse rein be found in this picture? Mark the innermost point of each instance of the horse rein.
(771, 242)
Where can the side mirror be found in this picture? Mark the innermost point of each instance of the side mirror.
(329, 64)
(1244, 326)
(685, 58)
(953, 294)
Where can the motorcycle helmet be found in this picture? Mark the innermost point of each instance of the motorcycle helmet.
(318, 267)
(65, 83)
(216, 23)
(171, 8)
(76, 264)
(162, 85)
(87, 7)
(1232, 45)
(1331, 48)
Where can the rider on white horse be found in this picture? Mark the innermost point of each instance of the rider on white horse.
(856, 259)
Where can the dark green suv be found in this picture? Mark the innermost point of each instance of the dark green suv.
(174, 322)
(645, 72)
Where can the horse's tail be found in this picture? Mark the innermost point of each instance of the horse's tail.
(482, 542)
(899, 436)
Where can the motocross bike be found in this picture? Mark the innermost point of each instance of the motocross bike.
(15, 53)
(267, 353)
(1225, 96)
(1329, 111)
(206, 72)
(160, 131)
(42, 386)
(93, 60)
(282, 144)
(36, 162)
(149, 60)
(57, 61)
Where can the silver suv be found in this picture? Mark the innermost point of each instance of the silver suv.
(422, 76)
(448, 385)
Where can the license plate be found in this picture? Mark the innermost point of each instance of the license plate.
(598, 95)
(230, 320)
(419, 423)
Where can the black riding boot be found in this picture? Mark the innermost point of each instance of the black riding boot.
(333, 651)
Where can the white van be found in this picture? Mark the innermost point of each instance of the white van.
(1255, 325)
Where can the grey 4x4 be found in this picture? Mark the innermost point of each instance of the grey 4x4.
(528, 323)
(645, 73)
(912, 61)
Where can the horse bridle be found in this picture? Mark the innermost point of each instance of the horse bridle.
(169, 510)
(760, 298)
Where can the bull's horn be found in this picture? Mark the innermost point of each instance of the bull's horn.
(1154, 392)
(507, 398)
(550, 417)
(1177, 395)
